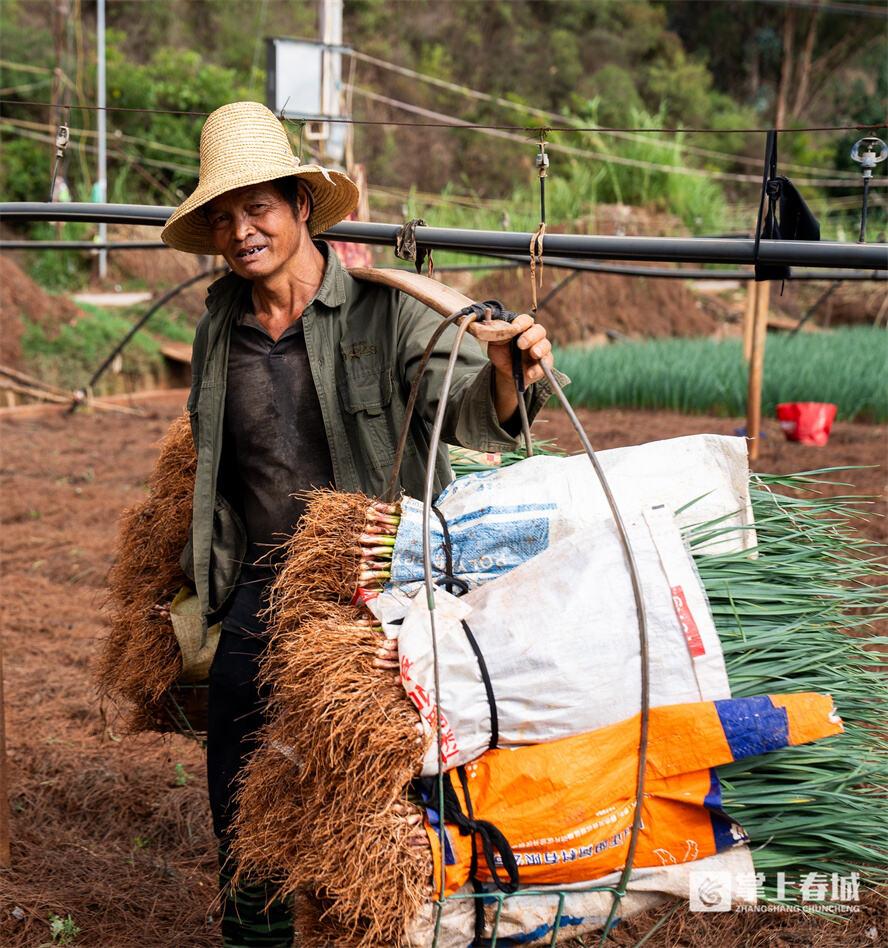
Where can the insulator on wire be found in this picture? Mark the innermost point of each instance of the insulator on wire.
(867, 152)
(61, 142)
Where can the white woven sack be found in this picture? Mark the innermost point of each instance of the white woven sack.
(557, 640)
(529, 919)
(498, 519)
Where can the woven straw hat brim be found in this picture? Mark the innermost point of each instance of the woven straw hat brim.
(244, 144)
(334, 197)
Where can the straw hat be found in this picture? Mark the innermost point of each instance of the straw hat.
(242, 144)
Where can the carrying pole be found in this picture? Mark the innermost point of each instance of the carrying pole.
(756, 368)
(5, 855)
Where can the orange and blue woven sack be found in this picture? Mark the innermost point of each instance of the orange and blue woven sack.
(562, 812)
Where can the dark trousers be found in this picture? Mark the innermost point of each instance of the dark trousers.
(236, 712)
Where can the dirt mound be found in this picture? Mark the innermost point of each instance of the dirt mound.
(21, 297)
(593, 303)
(161, 270)
(854, 303)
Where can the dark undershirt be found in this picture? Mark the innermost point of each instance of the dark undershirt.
(274, 444)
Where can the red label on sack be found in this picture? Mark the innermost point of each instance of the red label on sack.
(363, 596)
(688, 625)
(429, 711)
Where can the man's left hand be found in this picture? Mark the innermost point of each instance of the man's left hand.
(535, 348)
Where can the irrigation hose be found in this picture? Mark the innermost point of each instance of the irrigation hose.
(81, 394)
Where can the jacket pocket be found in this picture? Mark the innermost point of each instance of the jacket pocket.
(367, 392)
(366, 400)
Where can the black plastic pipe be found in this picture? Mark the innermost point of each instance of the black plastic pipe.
(571, 246)
(501, 262)
(82, 245)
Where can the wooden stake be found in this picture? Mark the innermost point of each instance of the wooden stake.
(749, 317)
(5, 856)
(756, 370)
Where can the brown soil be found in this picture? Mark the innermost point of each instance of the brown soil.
(849, 445)
(595, 303)
(854, 303)
(21, 296)
(116, 833)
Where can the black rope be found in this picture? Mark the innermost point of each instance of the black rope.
(488, 686)
(769, 171)
(492, 839)
(477, 888)
(448, 580)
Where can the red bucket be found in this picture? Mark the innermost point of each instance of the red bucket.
(807, 422)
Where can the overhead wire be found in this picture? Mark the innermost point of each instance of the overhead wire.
(115, 135)
(637, 136)
(528, 129)
(5, 123)
(496, 131)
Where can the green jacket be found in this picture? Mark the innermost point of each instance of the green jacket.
(364, 343)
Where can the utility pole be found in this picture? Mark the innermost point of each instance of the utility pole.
(102, 130)
(331, 81)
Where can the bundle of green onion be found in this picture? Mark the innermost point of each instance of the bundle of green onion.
(376, 543)
(790, 619)
(797, 615)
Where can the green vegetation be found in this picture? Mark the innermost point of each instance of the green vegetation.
(69, 358)
(783, 618)
(63, 930)
(845, 366)
(640, 64)
(59, 270)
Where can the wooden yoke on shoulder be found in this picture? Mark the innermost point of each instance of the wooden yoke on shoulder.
(437, 296)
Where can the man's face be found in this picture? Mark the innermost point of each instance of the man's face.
(256, 230)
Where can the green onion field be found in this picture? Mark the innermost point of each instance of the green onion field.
(702, 376)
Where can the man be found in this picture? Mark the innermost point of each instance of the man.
(300, 377)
